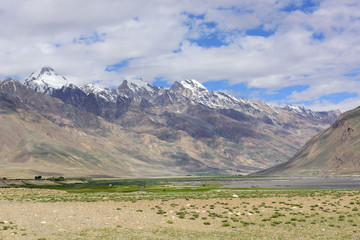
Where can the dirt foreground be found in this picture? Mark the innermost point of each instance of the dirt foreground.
(49, 214)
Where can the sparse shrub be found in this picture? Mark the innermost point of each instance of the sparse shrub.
(274, 223)
(160, 211)
(6, 227)
(277, 214)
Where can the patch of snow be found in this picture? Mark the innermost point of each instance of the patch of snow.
(89, 88)
(254, 106)
(272, 108)
(301, 110)
(135, 84)
(103, 93)
(192, 84)
(12, 82)
(295, 108)
(137, 81)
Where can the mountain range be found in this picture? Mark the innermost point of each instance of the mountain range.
(52, 127)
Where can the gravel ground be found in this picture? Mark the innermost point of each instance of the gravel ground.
(233, 218)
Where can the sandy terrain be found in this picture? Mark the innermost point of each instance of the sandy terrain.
(24, 214)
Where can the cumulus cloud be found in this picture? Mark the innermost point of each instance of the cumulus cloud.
(263, 44)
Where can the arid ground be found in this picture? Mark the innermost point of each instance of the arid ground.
(175, 213)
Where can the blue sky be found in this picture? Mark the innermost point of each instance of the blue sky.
(277, 51)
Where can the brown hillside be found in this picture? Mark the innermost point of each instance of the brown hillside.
(336, 150)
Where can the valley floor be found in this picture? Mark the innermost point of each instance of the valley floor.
(214, 214)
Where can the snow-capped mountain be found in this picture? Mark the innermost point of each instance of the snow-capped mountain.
(196, 92)
(48, 81)
(45, 80)
(136, 89)
(192, 89)
(185, 127)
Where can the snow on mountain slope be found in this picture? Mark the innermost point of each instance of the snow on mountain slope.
(195, 91)
(135, 84)
(89, 88)
(193, 85)
(305, 112)
(104, 93)
(299, 109)
(45, 80)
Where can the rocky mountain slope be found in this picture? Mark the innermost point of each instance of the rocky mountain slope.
(47, 137)
(140, 129)
(336, 150)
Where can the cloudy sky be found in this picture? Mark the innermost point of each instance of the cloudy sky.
(304, 52)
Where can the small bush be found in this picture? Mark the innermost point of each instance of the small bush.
(274, 223)
(160, 211)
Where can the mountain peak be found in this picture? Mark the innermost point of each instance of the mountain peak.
(297, 109)
(47, 69)
(192, 84)
(137, 82)
(190, 88)
(136, 86)
(45, 80)
(301, 110)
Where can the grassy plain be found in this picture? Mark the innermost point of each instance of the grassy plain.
(159, 209)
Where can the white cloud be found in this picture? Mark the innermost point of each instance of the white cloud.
(81, 38)
(344, 105)
(326, 88)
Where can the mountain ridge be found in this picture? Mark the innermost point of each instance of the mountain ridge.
(189, 88)
(174, 131)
